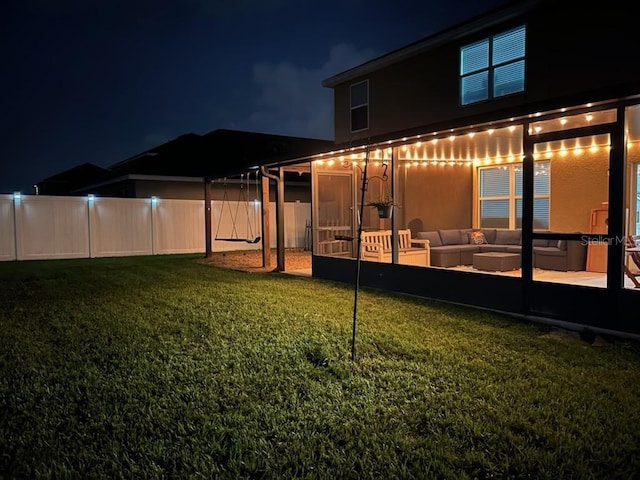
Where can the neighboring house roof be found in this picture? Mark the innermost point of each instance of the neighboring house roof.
(218, 153)
(73, 178)
(496, 15)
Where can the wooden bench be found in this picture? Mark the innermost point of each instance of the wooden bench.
(376, 246)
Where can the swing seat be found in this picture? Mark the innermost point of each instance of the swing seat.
(247, 240)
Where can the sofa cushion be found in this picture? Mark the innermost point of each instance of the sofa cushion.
(562, 244)
(464, 234)
(508, 237)
(470, 248)
(452, 237)
(489, 247)
(550, 251)
(433, 237)
(540, 242)
(447, 248)
(489, 234)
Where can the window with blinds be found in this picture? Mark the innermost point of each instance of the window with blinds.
(493, 67)
(500, 196)
(359, 103)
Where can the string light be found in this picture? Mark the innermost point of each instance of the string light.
(470, 150)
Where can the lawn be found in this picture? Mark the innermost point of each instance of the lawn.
(162, 367)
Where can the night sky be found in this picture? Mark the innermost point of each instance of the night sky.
(101, 80)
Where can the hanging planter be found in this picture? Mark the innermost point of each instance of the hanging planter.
(385, 208)
(385, 211)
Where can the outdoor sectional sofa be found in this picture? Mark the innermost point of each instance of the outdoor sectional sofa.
(453, 247)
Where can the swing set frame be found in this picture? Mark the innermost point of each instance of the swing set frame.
(244, 200)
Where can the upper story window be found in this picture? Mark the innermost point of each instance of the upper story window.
(493, 67)
(359, 106)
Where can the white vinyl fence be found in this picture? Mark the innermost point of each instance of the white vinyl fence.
(50, 227)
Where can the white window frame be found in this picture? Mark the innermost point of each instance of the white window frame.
(491, 67)
(353, 107)
(512, 197)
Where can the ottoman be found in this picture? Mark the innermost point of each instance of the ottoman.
(496, 261)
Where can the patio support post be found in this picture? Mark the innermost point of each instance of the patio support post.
(207, 218)
(266, 225)
(280, 220)
(527, 218)
(616, 214)
(279, 214)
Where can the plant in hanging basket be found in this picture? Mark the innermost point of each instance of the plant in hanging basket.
(384, 207)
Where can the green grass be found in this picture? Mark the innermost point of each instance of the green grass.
(162, 367)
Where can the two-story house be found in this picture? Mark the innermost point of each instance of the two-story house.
(510, 148)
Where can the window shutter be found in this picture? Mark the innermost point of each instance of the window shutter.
(474, 57)
(541, 213)
(508, 79)
(475, 88)
(508, 46)
(541, 178)
(505, 69)
(494, 182)
(494, 213)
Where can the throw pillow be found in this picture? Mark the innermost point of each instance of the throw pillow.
(477, 238)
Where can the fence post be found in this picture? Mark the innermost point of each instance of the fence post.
(17, 197)
(154, 202)
(90, 202)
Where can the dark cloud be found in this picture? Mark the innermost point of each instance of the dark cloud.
(292, 98)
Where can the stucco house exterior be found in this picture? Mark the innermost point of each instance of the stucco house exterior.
(510, 147)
